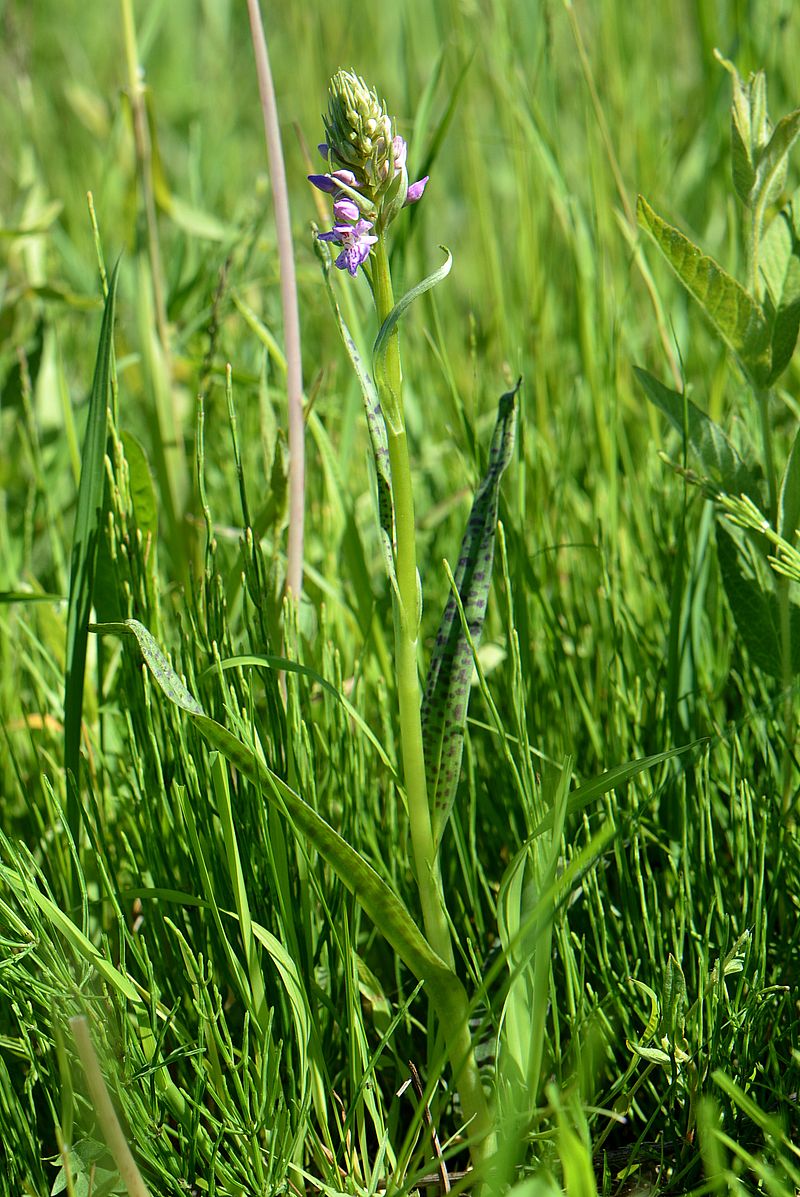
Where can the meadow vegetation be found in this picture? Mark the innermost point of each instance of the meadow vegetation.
(180, 788)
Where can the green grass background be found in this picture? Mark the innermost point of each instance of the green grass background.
(608, 637)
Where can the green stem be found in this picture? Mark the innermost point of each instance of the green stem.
(406, 633)
(450, 1002)
(769, 458)
(787, 677)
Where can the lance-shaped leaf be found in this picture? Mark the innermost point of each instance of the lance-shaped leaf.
(388, 329)
(749, 127)
(734, 314)
(779, 261)
(444, 705)
(375, 425)
(750, 593)
(84, 553)
(773, 162)
(719, 459)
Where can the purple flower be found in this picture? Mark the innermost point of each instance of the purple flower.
(415, 190)
(333, 182)
(345, 209)
(400, 149)
(356, 243)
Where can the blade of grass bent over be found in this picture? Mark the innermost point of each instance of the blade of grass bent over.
(380, 903)
(444, 704)
(84, 555)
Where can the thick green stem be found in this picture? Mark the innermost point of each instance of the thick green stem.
(406, 631)
(449, 1001)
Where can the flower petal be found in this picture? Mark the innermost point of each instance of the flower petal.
(323, 183)
(347, 177)
(400, 151)
(345, 209)
(415, 190)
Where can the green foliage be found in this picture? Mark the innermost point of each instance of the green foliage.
(253, 1025)
(734, 313)
(84, 552)
(444, 703)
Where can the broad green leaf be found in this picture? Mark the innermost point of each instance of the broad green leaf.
(380, 903)
(752, 600)
(720, 460)
(444, 705)
(779, 262)
(375, 424)
(84, 554)
(733, 313)
(389, 326)
(789, 500)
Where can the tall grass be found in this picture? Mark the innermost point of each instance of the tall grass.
(252, 1027)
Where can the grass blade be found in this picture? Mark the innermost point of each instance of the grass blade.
(84, 555)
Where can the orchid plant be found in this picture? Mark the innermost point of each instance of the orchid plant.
(369, 185)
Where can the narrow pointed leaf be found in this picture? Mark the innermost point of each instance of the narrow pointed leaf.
(380, 903)
(387, 329)
(720, 460)
(375, 424)
(772, 163)
(444, 705)
(84, 554)
(587, 793)
(733, 313)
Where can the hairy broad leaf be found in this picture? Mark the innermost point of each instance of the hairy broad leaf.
(779, 261)
(734, 314)
(444, 705)
(719, 459)
(749, 127)
(84, 553)
(752, 600)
